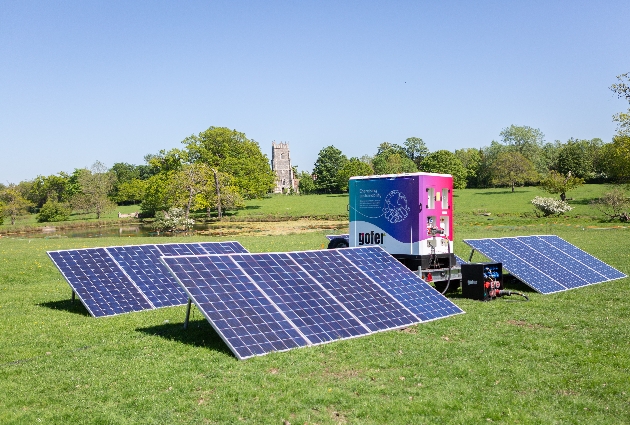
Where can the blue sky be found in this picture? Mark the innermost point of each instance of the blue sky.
(112, 81)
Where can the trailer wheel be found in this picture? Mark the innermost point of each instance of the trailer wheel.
(338, 243)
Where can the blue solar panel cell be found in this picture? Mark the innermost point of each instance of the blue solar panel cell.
(520, 268)
(588, 260)
(207, 281)
(404, 285)
(316, 314)
(546, 263)
(101, 286)
(142, 265)
(135, 265)
(365, 300)
(459, 261)
(538, 261)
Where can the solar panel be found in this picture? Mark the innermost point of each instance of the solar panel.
(122, 279)
(345, 236)
(419, 297)
(98, 282)
(459, 261)
(546, 263)
(304, 298)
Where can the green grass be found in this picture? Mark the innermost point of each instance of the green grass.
(560, 358)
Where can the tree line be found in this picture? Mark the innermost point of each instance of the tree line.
(219, 168)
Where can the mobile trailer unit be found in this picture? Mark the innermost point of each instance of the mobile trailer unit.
(410, 216)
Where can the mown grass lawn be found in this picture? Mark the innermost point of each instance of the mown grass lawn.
(560, 358)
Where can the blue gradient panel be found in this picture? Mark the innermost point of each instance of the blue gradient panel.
(459, 261)
(231, 247)
(369, 303)
(244, 317)
(314, 311)
(400, 282)
(99, 283)
(546, 263)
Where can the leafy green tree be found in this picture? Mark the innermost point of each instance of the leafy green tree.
(578, 157)
(95, 185)
(622, 89)
(306, 184)
(130, 192)
(157, 194)
(445, 162)
(556, 182)
(15, 205)
(330, 161)
(166, 161)
(392, 159)
(219, 195)
(353, 167)
(616, 159)
(528, 142)
(512, 168)
(230, 152)
(471, 159)
(189, 182)
(53, 188)
(54, 210)
(416, 150)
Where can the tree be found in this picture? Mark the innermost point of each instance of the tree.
(157, 194)
(219, 195)
(130, 192)
(329, 161)
(578, 157)
(54, 210)
(445, 162)
(616, 159)
(416, 150)
(392, 159)
(188, 182)
(49, 188)
(95, 185)
(527, 141)
(622, 89)
(512, 168)
(614, 204)
(306, 184)
(15, 205)
(230, 152)
(353, 167)
(471, 160)
(556, 182)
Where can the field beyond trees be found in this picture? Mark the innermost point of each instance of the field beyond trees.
(559, 358)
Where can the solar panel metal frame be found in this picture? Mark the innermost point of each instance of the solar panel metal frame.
(172, 262)
(142, 295)
(557, 276)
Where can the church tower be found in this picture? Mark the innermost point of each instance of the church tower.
(281, 165)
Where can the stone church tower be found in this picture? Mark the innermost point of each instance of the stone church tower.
(281, 165)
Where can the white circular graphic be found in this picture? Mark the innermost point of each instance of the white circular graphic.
(396, 208)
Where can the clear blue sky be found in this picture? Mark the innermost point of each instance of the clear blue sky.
(82, 81)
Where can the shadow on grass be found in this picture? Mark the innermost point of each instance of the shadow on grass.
(198, 334)
(70, 306)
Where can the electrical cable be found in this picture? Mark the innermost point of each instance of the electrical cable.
(502, 293)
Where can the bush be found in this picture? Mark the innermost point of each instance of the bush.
(54, 211)
(614, 204)
(172, 221)
(550, 206)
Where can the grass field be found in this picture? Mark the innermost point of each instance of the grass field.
(560, 358)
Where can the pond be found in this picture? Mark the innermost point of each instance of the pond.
(209, 229)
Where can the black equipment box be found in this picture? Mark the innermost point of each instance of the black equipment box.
(481, 281)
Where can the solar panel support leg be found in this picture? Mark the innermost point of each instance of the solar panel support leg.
(471, 254)
(74, 295)
(187, 314)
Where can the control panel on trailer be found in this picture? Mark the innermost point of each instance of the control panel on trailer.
(410, 216)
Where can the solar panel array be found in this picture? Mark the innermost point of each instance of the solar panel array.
(259, 303)
(123, 279)
(546, 263)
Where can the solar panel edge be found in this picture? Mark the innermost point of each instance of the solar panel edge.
(133, 282)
